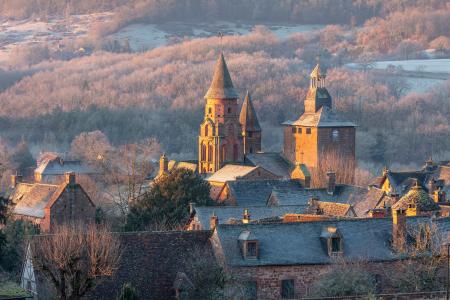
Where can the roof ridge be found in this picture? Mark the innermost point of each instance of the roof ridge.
(221, 85)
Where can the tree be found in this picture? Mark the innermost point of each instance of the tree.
(332, 161)
(168, 200)
(3, 210)
(128, 292)
(75, 257)
(344, 279)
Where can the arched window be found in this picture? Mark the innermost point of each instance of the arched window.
(230, 130)
(224, 152)
(206, 130)
(210, 153)
(203, 156)
(235, 152)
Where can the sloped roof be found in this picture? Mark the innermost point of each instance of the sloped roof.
(330, 208)
(227, 213)
(230, 172)
(221, 85)
(188, 164)
(343, 194)
(57, 166)
(416, 197)
(256, 192)
(371, 200)
(324, 117)
(401, 182)
(248, 118)
(273, 162)
(35, 198)
(301, 243)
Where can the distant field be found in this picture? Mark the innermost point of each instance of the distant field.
(419, 65)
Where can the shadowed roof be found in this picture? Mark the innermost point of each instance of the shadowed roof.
(32, 200)
(272, 162)
(248, 117)
(221, 85)
(324, 117)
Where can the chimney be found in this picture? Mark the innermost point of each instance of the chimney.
(399, 229)
(70, 178)
(429, 165)
(163, 165)
(214, 221)
(191, 207)
(246, 218)
(331, 185)
(16, 179)
(439, 196)
(385, 171)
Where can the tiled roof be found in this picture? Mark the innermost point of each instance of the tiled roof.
(343, 194)
(370, 201)
(248, 117)
(31, 199)
(301, 243)
(221, 85)
(188, 164)
(324, 117)
(230, 172)
(273, 162)
(256, 192)
(416, 197)
(227, 213)
(331, 208)
(377, 181)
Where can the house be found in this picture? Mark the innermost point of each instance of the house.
(155, 264)
(283, 260)
(47, 205)
(51, 168)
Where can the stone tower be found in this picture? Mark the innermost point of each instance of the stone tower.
(220, 138)
(319, 133)
(251, 131)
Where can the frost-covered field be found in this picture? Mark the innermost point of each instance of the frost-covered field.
(50, 32)
(419, 65)
(147, 36)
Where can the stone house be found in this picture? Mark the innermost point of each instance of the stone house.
(47, 205)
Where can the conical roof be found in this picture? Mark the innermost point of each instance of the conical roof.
(221, 85)
(248, 117)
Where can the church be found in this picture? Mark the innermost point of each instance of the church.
(232, 136)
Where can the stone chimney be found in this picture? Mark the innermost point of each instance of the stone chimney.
(399, 229)
(16, 179)
(214, 221)
(331, 183)
(163, 165)
(246, 217)
(439, 196)
(70, 178)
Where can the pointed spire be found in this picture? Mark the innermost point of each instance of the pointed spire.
(221, 85)
(248, 117)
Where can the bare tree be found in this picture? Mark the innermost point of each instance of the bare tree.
(333, 161)
(75, 258)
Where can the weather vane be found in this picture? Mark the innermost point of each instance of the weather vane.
(220, 35)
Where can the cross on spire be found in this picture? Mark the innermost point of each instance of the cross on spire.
(220, 35)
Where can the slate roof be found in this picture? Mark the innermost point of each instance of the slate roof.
(256, 192)
(187, 164)
(221, 85)
(324, 117)
(273, 162)
(31, 199)
(52, 165)
(372, 199)
(230, 172)
(401, 182)
(343, 194)
(226, 213)
(300, 243)
(248, 117)
(330, 208)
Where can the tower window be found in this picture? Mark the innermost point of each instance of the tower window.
(209, 110)
(250, 134)
(229, 110)
(299, 130)
(294, 130)
(206, 130)
(308, 130)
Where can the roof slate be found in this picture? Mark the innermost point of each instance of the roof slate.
(324, 117)
(230, 172)
(221, 85)
(273, 162)
(248, 118)
(34, 200)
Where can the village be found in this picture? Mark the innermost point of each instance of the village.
(238, 222)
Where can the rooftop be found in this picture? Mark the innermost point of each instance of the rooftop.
(221, 85)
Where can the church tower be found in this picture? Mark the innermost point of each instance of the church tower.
(319, 133)
(251, 131)
(220, 139)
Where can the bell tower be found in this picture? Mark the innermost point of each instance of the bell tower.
(251, 131)
(220, 138)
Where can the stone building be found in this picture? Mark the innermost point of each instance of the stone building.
(319, 133)
(47, 205)
(251, 131)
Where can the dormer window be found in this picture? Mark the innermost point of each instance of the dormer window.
(249, 245)
(333, 241)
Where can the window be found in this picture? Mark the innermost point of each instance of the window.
(210, 153)
(203, 154)
(335, 135)
(308, 130)
(229, 110)
(209, 110)
(335, 245)
(206, 130)
(287, 289)
(235, 152)
(251, 290)
(299, 130)
(29, 288)
(294, 130)
(250, 134)
(252, 249)
(251, 150)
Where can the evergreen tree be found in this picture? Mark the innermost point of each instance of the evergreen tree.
(167, 202)
(128, 292)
